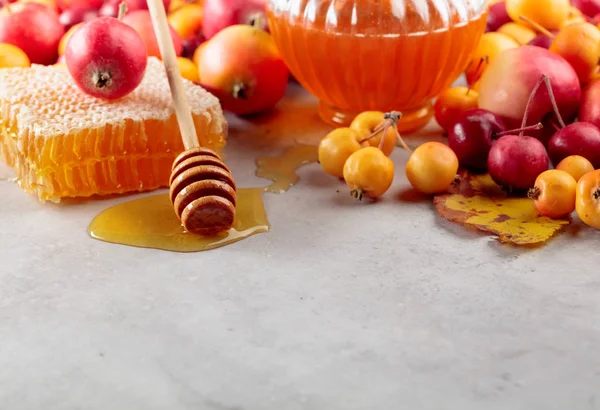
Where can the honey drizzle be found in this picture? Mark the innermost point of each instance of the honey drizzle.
(150, 222)
(282, 169)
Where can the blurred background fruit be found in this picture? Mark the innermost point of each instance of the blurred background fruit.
(12, 56)
(33, 28)
(141, 21)
(187, 20)
(242, 65)
(70, 17)
(219, 14)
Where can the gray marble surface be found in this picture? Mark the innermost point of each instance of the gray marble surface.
(341, 306)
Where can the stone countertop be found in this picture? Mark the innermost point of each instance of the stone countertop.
(340, 306)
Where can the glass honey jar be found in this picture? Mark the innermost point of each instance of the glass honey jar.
(358, 55)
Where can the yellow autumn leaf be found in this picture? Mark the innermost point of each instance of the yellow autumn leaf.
(480, 203)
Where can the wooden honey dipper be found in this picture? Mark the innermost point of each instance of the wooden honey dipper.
(202, 190)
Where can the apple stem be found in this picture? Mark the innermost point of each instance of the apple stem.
(537, 26)
(390, 119)
(386, 123)
(122, 10)
(544, 80)
(535, 127)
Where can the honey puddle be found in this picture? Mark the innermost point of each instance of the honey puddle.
(150, 222)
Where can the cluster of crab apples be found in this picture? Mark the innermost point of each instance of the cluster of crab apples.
(529, 115)
(105, 45)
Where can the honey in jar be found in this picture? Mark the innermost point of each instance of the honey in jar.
(358, 55)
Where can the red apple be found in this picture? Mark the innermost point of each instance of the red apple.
(110, 8)
(242, 67)
(219, 14)
(33, 28)
(508, 81)
(106, 58)
(589, 111)
(588, 7)
(79, 4)
(71, 17)
(141, 21)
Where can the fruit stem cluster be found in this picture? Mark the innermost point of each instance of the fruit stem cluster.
(546, 81)
(390, 119)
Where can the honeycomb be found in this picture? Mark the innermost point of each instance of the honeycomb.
(63, 143)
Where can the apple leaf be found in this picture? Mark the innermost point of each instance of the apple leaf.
(478, 202)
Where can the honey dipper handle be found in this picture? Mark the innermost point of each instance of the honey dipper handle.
(167, 51)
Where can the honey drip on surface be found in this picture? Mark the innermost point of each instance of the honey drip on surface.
(282, 169)
(150, 222)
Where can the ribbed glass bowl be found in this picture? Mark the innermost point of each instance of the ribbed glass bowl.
(358, 55)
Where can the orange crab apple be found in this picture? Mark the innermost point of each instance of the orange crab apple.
(187, 20)
(576, 166)
(335, 149)
(64, 40)
(550, 14)
(188, 69)
(432, 168)
(587, 203)
(367, 123)
(452, 103)
(177, 4)
(518, 32)
(12, 56)
(579, 44)
(554, 193)
(369, 173)
(242, 66)
(489, 46)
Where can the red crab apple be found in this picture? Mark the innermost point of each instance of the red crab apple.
(33, 28)
(141, 21)
(508, 81)
(515, 161)
(588, 7)
(497, 16)
(242, 67)
(70, 17)
(578, 138)
(589, 111)
(219, 14)
(106, 58)
(78, 4)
